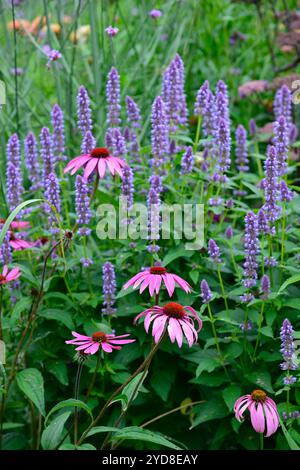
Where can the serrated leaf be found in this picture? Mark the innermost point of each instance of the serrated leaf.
(31, 383)
(53, 433)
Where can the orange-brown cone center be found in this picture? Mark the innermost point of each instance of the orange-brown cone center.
(174, 310)
(98, 337)
(157, 270)
(259, 395)
(99, 152)
(2, 278)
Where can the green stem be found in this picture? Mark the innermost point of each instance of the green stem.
(195, 146)
(77, 385)
(214, 330)
(261, 441)
(222, 288)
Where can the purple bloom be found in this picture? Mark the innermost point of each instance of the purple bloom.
(246, 326)
(251, 250)
(265, 286)
(5, 248)
(32, 163)
(293, 133)
(286, 195)
(223, 145)
(58, 136)
(222, 107)
(82, 202)
(215, 201)
(86, 262)
(113, 98)
(270, 261)
(281, 142)
(201, 103)
(173, 93)
(14, 188)
(263, 226)
(13, 151)
(210, 116)
(252, 127)
(205, 292)
(127, 186)
(229, 232)
(181, 94)
(109, 288)
(153, 203)
(52, 54)
(242, 161)
(155, 14)
(246, 298)
(133, 112)
(84, 113)
(214, 251)
(88, 143)
(271, 209)
(118, 143)
(289, 380)
(283, 104)
(187, 161)
(47, 153)
(111, 31)
(287, 346)
(159, 133)
(52, 194)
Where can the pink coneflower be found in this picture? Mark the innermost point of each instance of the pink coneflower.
(8, 276)
(263, 411)
(18, 244)
(96, 160)
(17, 224)
(153, 277)
(91, 344)
(178, 319)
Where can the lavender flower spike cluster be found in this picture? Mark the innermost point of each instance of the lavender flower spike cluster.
(82, 202)
(173, 93)
(283, 104)
(109, 288)
(187, 161)
(271, 209)
(133, 112)
(251, 250)
(206, 293)
(127, 186)
(52, 194)
(13, 173)
(214, 251)
(84, 113)
(113, 98)
(58, 136)
(32, 163)
(159, 133)
(47, 153)
(153, 203)
(242, 161)
(288, 351)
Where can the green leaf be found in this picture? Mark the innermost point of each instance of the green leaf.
(179, 252)
(262, 379)
(66, 403)
(100, 429)
(53, 433)
(208, 361)
(208, 411)
(132, 389)
(20, 306)
(162, 380)
(8, 426)
(267, 331)
(60, 371)
(231, 394)
(60, 315)
(67, 446)
(139, 434)
(290, 280)
(292, 444)
(13, 214)
(31, 383)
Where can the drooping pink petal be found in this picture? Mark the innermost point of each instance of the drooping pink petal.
(93, 349)
(271, 419)
(182, 283)
(257, 417)
(106, 347)
(86, 345)
(195, 316)
(243, 406)
(5, 271)
(101, 167)
(121, 341)
(77, 162)
(152, 283)
(111, 166)
(169, 283)
(158, 283)
(158, 327)
(145, 283)
(171, 329)
(79, 336)
(188, 332)
(21, 224)
(13, 274)
(148, 320)
(89, 168)
(80, 163)
(120, 161)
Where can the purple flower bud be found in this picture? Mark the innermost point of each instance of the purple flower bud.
(109, 288)
(187, 161)
(271, 209)
(287, 346)
(283, 104)
(246, 326)
(289, 380)
(113, 98)
(281, 142)
(153, 203)
(13, 151)
(127, 185)
(262, 222)
(14, 188)
(205, 292)
(242, 161)
(133, 112)
(293, 133)
(222, 107)
(214, 251)
(88, 143)
(86, 262)
(251, 250)
(265, 286)
(159, 133)
(223, 145)
(173, 93)
(229, 232)
(82, 202)
(111, 31)
(286, 195)
(52, 194)
(155, 14)
(84, 113)
(5, 248)
(109, 139)
(47, 153)
(252, 127)
(246, 298)
(181, 94)
(201, 103)
(215, 201)
(270, 261)
(32, 163)
(153, 249)
(118, 143)
(58, 136)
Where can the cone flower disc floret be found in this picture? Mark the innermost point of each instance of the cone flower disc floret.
(179, 321)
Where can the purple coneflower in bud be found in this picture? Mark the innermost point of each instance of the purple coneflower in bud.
(133, 112)
(113, 98)
(223, 145)
(201, 102)
(58, 136)
(159, 133)
(214, 251)
(242, 161)
(14, 188)
(252, 127)
(288, 350)
(32, 163)
(84, 113)
(286, 195)
(47, 153)
(109, 288)
(127, 186)
(118, 143)
(271, 209)
(281, 142)
(153, 203)
(82, 203)
(88, 143)
(262, 222)
(265, 286)
(205, 292)
(111, 31)
(52, 194)
(187, 161)
(229, 232)
(283, 104)
(5, 249)
(251, 250)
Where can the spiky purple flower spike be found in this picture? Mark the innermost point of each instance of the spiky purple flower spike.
(281, 142)
(13, 151)
(128, 186)
(84, 113)
(205, 292)
(173, 93)
(214, 251)
(262, 222)
(58, 136)
(288, 351)
(118, 143)
(242, 161)
(265, 286)
(109, 288)
(47, 153)
(201, 103)
(113, 98)
(286, 195)
(52, 194)
(14, 187)
(159, 133)
(82, 203)
(133, 112)
(32, 163)
(183, 113)
(88, 143)
(5, 249)
(252, 127)
(187, 161)
(223, 146)
(283, 104)
(222, 101)
(271, 209)
(153, 204)
(251, 250)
